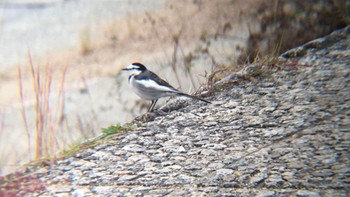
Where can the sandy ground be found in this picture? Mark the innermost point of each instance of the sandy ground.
(95, 94)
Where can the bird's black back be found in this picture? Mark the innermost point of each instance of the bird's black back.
(149, 75)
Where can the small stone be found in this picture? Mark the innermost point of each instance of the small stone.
(289, 175)
(170, 181)
(208, 152)
(161, 136)
(216, 165)
(64, 168)
(87, 166)
(101, 147)
(178, 159)
(64, 162)
(323, 173)
(175, 167)
(266, 193)
(119, 152)
(307, 193)
(274, 181)
(81, 191)
(157, 159)
(210, 124)
(187, 123)
(266, 110)
(295, 165)
(138, 157)
(127, 178)
(40, 172)
(59, 188)
(164, 170)
(175, 149)
(104, 190)
(231, 128)
(148, 133)
(258, 178)
(186, 179)
(83, 181)
(215, 146)
(193, 167)
(274, 132)
(77, 163)
(97, 175)
(98, 155)
(133, 148)
(252, 121)
(140, 189)
(169, 169)
(160, 192)
(224, 172)
(231, 104)
(130, 137)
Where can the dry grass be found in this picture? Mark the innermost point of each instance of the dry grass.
(49, 114)
(48, 131)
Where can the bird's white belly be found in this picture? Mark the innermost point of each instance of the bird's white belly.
(148, 90)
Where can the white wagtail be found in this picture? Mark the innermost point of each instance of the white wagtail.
(149, 86)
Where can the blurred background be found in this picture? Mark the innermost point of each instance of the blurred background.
(60, 59)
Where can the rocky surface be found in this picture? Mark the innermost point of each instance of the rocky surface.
(284, 134)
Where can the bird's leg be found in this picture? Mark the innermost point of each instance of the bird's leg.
(155, 101)
(149, 108)
(152, 105)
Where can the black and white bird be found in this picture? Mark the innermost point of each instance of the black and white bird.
(149, 86)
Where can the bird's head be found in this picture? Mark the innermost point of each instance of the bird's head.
(135, 68)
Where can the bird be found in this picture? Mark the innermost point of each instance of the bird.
(149, 86)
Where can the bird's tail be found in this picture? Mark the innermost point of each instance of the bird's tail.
(193, 97)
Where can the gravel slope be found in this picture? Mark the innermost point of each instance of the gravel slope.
(287, 134)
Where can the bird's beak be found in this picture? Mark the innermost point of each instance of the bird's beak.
(125, 69)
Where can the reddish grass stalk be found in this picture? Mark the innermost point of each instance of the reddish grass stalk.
(38, 109)
(46, 116)
(62, 96)
(61, 101)
(48, 120)
(23, 112)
